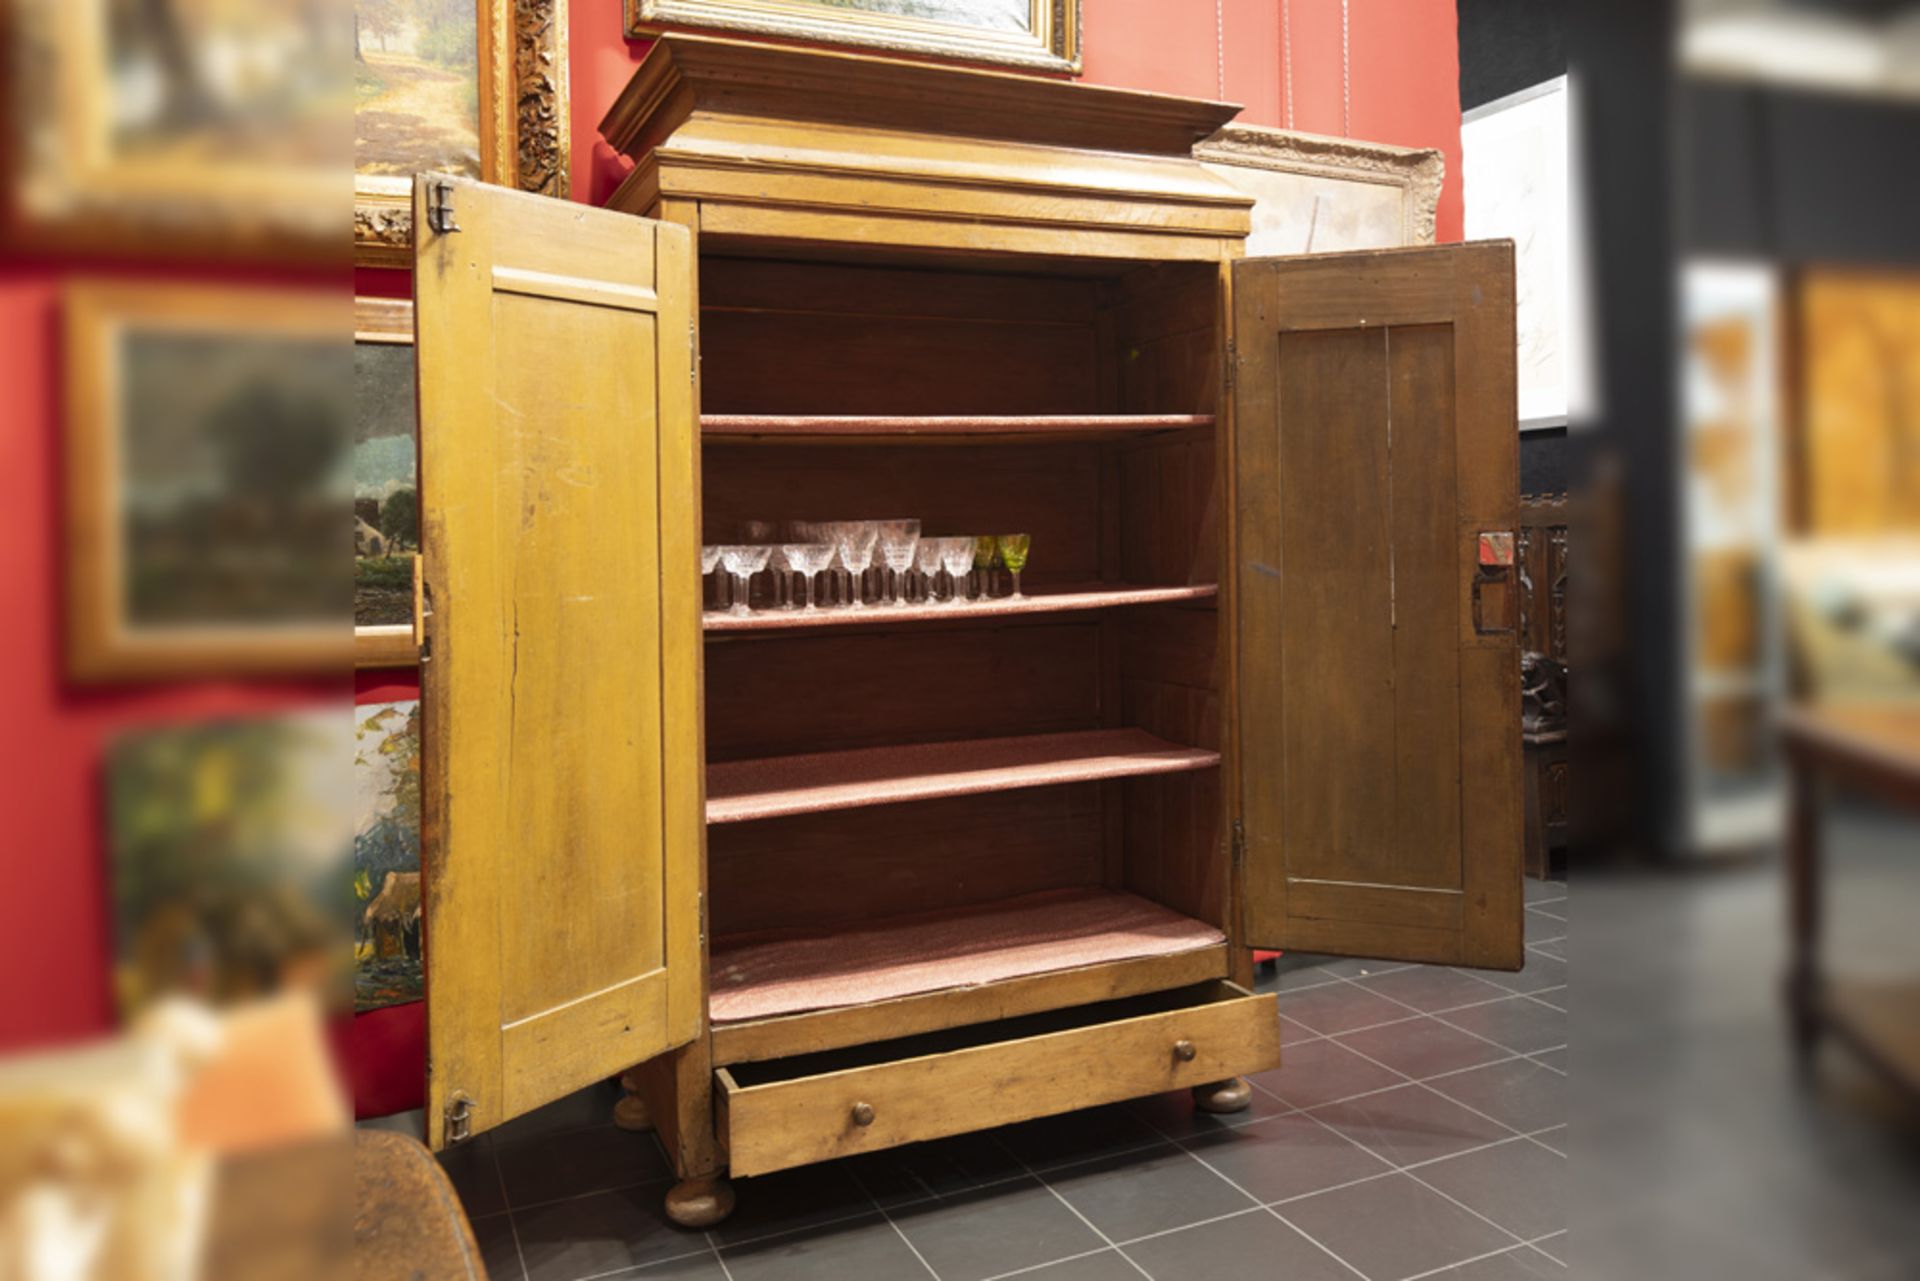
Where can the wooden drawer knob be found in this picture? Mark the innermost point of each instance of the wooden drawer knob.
(863, 1114)
(1184, 1051)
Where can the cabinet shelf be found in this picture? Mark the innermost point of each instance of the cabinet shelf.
(785, 972)
(1063, 602)
(777, 787)
(938, 428)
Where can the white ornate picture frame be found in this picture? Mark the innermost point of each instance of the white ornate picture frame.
(1314, 194)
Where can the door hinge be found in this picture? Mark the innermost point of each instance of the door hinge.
(440, 207)
(693, 349)
(459, 1126)
(703, 919)
(1239, 844)
(1233, 353)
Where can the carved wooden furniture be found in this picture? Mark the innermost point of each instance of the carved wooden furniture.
(1873, 750)
(821, 886)
(1542, 549)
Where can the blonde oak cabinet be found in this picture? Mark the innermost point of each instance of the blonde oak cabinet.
(818, 885)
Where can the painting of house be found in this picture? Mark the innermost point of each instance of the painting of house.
(386, 854)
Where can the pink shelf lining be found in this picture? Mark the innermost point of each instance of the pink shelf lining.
(773, 620)
(945, 425)
(791, 972)
(775, 787)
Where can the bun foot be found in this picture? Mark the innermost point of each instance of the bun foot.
(630, 1113)
(700, 1203)
(1230, 1095)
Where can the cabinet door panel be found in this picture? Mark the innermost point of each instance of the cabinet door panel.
(561, 783)
(1376, 442)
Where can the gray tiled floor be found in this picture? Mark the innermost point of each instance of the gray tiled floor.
(1415, 1129)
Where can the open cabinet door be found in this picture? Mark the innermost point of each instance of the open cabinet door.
(560, 664)
(1376, 477)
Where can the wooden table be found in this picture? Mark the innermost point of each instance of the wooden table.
(1874, 751)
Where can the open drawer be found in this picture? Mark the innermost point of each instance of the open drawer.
(816, 1107)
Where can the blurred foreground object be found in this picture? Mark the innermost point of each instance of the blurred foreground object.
(114, 1158)
(172, 127)
(407, 1221)
(1872, 750)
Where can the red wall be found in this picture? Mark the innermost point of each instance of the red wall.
(1397, 83)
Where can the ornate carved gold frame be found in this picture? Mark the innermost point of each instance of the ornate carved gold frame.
(523, 125)
(1417, 172)
(1051, 43)
(68, 188)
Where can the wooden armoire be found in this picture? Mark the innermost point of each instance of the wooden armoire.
(822, 883)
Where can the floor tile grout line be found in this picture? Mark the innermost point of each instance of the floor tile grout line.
(1436, 1017)
(1073, 1209)
(635, 1269)
(1461, 1263)
(719, 1258)
(1053, 1263)
(874, 1201)
(1258, 1203)
(1438, 1095)
(1537, 999)
(513, 1224)
(1552, 1258)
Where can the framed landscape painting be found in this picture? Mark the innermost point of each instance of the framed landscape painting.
(386, 486)
(386, 854)
(175, 126)
(474, 88)
(1039, 35)
(209, 481)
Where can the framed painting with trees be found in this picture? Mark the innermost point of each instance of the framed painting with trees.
(476, 88)
(386, 488)
(209, 481)
(1034, 35)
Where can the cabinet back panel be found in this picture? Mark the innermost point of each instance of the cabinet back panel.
(1166, 320)
(819, 338)
(1169, 510)
(815, 693)
(826, 870)
(1171, 828)
(1050, 491)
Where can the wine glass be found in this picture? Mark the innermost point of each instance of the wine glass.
(985, 554)
(709, 561)
(808, 560)
(856, 543)
(899, 540)
(743, 561)
(1013, 550)
(956, 556)
(926, 559)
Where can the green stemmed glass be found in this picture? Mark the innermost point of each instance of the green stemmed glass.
(1013, 551)
(984, 554)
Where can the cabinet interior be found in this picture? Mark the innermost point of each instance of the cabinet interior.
(1097, 386)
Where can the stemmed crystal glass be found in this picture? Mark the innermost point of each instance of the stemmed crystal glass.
(1013, 551)
(709, 561)
(808, 560)
(856, 539)
(899, 540)
(743, 561)
(926, 560)
(956, 557)
(985, 554)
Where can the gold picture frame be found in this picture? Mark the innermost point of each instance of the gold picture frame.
(107, 549)
(1318, 194)
(1050, 41)
(385, 322)
(523, 126)
(77, 181)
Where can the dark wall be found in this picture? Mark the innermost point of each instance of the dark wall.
(1796, 177)
(1509, 45)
